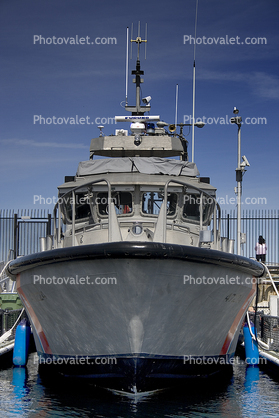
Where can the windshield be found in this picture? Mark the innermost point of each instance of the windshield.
(123, 203)
(152, 201)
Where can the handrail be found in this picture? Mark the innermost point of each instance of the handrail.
(73, 218)
(261, 343)
(271, 279)
(215, 240)
(202, 192)
(57, 205)
(59, 224)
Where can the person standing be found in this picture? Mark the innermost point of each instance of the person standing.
(261, 249)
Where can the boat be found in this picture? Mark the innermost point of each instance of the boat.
(136, 289)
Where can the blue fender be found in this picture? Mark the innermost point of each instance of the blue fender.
(22, 337)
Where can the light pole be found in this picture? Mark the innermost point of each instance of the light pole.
(239, 174)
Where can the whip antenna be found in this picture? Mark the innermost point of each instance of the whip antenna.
(146, 39)
(176, 100)
(194, 83)
(127, 60)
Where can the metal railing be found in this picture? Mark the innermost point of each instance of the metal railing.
(20, 232)
(253, 224)
(267, 329)
(8, 319)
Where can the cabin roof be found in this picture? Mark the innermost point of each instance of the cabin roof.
(125, 146)
(145, 165)
(135, 178)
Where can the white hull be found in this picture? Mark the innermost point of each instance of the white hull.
(149, 311)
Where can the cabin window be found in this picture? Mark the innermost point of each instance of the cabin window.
(208, 209)
(191, 208)
(152, 202)
(123, 202)
(81, 205)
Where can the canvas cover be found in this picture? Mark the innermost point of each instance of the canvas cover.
(145, 165)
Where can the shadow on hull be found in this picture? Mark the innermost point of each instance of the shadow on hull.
(137, 375)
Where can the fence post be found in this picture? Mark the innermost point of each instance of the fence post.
(15, 235)
(228, 226)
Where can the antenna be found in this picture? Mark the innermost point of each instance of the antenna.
(176, 99)
(146, 41)
(101, 130)
(138, 40)
(138, 109)
(194, 83)
(131, 39)
(132, 27)
(127, 60)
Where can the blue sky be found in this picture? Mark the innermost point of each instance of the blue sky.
(88, 80)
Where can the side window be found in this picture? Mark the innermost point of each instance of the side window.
(81, 204)
(208, 209)
(191, 208)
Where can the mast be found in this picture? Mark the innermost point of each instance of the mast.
(138, 109)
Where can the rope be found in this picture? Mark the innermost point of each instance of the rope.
(4, 268)
(8, 333)
(271, 279)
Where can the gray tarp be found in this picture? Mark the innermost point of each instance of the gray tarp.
(146, 165)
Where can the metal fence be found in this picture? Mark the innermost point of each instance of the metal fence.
(267, 329)
(270, 331)
(253, 224)
(20, 231)
(7, 320)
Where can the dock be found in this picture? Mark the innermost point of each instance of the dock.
(265, 318)
(11, 312)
